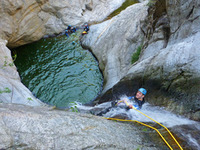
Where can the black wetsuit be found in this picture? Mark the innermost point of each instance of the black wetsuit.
(86, 28)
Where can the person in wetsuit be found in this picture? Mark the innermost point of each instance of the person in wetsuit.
(86, 28)
(68, 30)
(138, 99)
(73, 29)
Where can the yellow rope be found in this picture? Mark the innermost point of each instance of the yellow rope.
(160, 125)
(157, 123)
(143, 125)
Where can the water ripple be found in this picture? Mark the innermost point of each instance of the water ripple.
(58, 72)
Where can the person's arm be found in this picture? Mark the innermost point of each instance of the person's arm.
(130, 97)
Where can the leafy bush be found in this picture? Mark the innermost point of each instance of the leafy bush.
(136, 55)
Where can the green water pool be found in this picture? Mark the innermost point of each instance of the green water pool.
(58, 71)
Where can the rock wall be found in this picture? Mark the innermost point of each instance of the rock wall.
(11, 88)
(168, 65)
(114, 41)
(27, 21)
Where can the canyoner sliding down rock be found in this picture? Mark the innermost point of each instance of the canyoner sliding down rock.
(125, 110)
(147, 46)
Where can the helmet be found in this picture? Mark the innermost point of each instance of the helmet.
(143, 91)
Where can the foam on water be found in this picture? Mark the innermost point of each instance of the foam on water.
(159, 114)
(183, 127)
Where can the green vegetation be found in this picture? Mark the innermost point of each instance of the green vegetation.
(144, 130)
(151, 3)
(74, 107)
(6, 90)
(14, 56)
(126, 4)
(136, 55)
(6, 63)
(29, 99)
(139, 147)
(11, 64)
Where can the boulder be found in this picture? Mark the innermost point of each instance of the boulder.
(24, 127)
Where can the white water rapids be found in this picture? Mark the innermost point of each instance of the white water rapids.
(157, 113)
(186, 128)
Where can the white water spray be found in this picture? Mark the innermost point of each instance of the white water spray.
(186, 128)
(157, 113)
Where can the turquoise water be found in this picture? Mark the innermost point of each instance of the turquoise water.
(58, 71)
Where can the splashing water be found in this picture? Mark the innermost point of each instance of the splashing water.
(157, 113)
(187, 130)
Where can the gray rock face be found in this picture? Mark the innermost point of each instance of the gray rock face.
(114, 41)
(168, 64)
(24, 127)
(11, 88)
(171, 59)
(26, 21)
